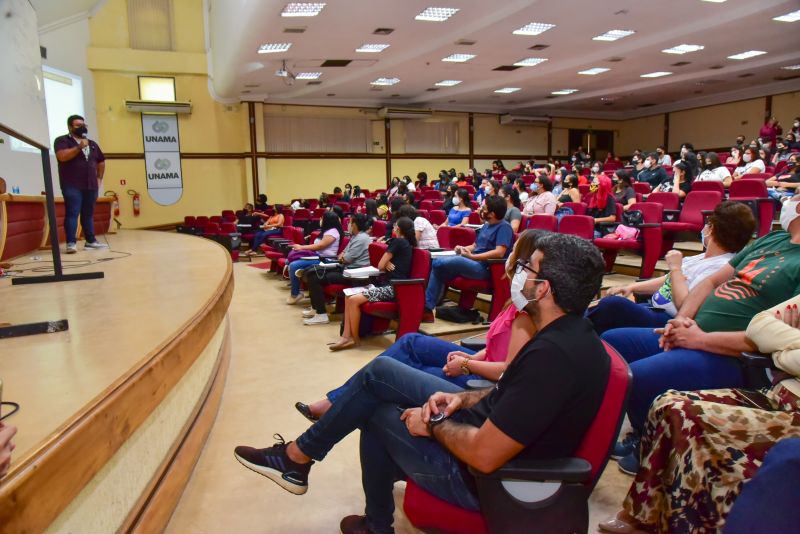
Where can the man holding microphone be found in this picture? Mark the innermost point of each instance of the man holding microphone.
(81, 165)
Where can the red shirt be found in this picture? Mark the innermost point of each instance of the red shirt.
(81, 171)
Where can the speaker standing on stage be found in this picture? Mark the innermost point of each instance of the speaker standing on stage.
(81, 165)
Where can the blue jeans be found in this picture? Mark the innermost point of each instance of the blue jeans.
(370, 403)
(79, 202)
(445, 269)
(618, 312)
(261, 235)
(426, 353)
(299, 264)
(655, 371)
(774, 488)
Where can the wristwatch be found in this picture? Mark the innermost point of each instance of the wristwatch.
(436, 419)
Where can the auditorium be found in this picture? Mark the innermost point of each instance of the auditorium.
(373, 267)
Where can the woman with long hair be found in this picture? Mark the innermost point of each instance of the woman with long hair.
(623, 189)
(459, 213)
(541, 201)
(601, 206)
(325, 246)
(513, 214)
(570, 192)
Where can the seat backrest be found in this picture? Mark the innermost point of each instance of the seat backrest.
(642, 187)
(696, 202)
(376, 251)
(215, 219)
(708, 185)
(424, 214)
(597, 442)
(437, 204)
(228, 228)
(343, 243)
(461, 235)
(211, 228)
(670, 201)
(583, 189)
(578, 208)
(432, 195)
(313, 203)
(313, 236)
(318, 212)
(543, 222)
(226, 213)
(420, 264)
(474, 218)
(378, 228)
(780, 166)
(579, 225)
(298, 235)
(652, 212)
(229, 217)
(470, 189)
(758, 176)
(437, 216)
(748, 188)
(426, 205)
(189, 220)
(345, 206)
(302, 214)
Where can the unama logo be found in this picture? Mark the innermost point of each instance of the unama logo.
(160, 128)
(162, 167)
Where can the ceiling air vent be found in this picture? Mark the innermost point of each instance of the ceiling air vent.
(507, 67)
(645, 105)
(383, 31)
(681, 63)
(404, 113)
(465, 42)
(523, 119)
(615, 59)
(315, 82)
(746, 75)
(538, 47)
(336, 62)
(432, 89)
(294, 30)
(716, 67)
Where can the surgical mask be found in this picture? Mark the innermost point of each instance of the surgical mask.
(534, 187)
(705, 234)
(746, 158)
(789, 213)
(647, 163)
(595, 169)
(574, 159)
(796, 124)
(518, 298)
(683, 152)
(558, 178)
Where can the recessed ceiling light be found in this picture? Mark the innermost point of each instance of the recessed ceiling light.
(594, 72)
(791, 67)
(683, 49)
(507, 90)
(658, 74)
(794, 16)
(437, 14)
(613, 35)
(534, 28)
(271, 48)
(715, 1)
(308, 75)
(385, 81)
(372, 48)
(564, 92)
(458, 58)
(748, 54)
(530, 61)
(448, 83)
(296, 9)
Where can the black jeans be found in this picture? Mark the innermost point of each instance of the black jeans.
(315, 282)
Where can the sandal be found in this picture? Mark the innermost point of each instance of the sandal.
(342, 345)
(305, 411)
(620, 525)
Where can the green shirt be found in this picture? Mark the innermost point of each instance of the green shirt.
(767, 272)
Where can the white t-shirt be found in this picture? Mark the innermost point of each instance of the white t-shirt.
(411, 187)
(744, 169)
(695, 269)
(428, 237)
(665, 160)
(714, 175)
(523, 197)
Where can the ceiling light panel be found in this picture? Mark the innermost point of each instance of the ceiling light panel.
(372, 48)
(791, 67)
(748, 54)
(564, 92)
(508, 90)
(613, 35)
(794, 16)
(385, 81)
(448, 83)
(308, 75)
(272, 48)
(715, 1)
(594, 72)
(683, 49)
(437, 14)
(458, 58)
(658, 74)
(534, 28)
(299, 9)
(530, 61)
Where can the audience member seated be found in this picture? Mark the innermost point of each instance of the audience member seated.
(423, 229)
(540, 408)
(624, 194)
(785, 185)
(570, 193)
(735, 157)
(383, 206)
(354, 255)
(558, 181)
(261, 204)
(714, 171)
(637, 162)
(652, 173)
(395, 264)
(729, 229)
(394, 187)
(612, 159)
(459, 213)
(601, 205)
(450, 197)
(396, 203)
(752, 164)
(411, 188)
(522, 190)
(325, 246)
(357, 192)
(680, 182)
(782, 153)
(694, 350)
(664, 159)
(494, 241)
(491, 189)
(542, 200)
(347, 194)
(509, 331)
(273, 226)
(700, 448)
(513, 214)
(596, 170)
(792, 141)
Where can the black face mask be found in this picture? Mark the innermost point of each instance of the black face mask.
(80, 131)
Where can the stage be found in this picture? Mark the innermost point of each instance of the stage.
(114, 411)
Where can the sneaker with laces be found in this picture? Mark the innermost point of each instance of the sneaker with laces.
(630, 463)
(309, 312)
(628, 444)
(72, 248)
(96, 245)
(320, 318)
(275, 464)
(294, 299)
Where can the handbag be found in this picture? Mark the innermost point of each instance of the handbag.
(625, 232)
(632, 218)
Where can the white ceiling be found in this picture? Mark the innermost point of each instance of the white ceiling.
(237, 27)
(54, 11)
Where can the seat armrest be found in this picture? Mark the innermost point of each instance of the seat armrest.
(648, 225)
(407, 281)
(494, 261)
(671, 215)
(575, 470)
(479, 383)
(756, 359)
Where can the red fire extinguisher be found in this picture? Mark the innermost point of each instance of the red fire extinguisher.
(136, 200)
(115, 202)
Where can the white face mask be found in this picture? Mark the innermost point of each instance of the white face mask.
(519, 300)
(595, 169)
(705, 234)
(746, 158)
(683, 152)
(534, 187)
(647, 163)
(796, 124)
(789, 213)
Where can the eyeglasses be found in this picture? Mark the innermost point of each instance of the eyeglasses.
(522, 265)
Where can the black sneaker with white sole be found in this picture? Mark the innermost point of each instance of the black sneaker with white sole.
(275, 464)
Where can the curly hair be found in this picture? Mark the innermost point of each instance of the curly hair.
(732, 225)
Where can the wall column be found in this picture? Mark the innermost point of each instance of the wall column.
(251, 118)
(387, 129)
(666, 132)
(471, 137)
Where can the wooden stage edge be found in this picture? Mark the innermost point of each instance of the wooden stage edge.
(57, 481)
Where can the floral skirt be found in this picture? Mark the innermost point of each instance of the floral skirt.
(380, 294)
(699, 448)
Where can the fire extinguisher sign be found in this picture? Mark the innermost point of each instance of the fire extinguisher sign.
(162, 158)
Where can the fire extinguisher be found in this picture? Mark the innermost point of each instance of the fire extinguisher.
(136, 200)
(115, 202)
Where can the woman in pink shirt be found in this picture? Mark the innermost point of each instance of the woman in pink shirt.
(542, 201)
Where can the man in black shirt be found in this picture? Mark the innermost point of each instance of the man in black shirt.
(653, 173)
(540, 408)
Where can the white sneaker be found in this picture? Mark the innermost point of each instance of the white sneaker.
(96, 245)
(320, 318)
(309, 312)
(295, 300)
(72, 248)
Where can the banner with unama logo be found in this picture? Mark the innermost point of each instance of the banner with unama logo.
(162, 158)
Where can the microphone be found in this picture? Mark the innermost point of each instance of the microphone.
(85, 149)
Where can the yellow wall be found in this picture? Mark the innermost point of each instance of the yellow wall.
(410, 167)
(307, 178)
(645, 133)
(716, 126)
(491, 137)
(785, 108)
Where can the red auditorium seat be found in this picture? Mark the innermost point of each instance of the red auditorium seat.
(584, 190)
(498, 286)
(452, 236)
(578, 208)
(378, 228)
(642, 188)
(579, 225)
(648, 245)
(438, 204)
(754, 193)
(432, 195)
(469, 189)
(216, 219)
(409, 303)
(228, 215)
(345, 206)
(780, 166)
(670, 201)
(691, 217)
(709, 186)
(189, 221)
(553, 494)
(756, 176)
(426, 205)
(475, 218)
(211, 229)
(437, 217)
(313, 203)
(317, 213)
(543, 222)
(424, 214)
